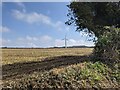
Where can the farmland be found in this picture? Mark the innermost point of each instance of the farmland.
(56, 68)
(11, 56)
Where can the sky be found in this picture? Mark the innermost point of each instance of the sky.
(38, 24)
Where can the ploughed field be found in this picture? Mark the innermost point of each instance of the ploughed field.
(56, 68)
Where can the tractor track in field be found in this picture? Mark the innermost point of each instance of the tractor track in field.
(17, 70)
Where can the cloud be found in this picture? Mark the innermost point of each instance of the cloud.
(59, 43)
(4, 42)
(73, 42)
(46, 38)
(38, 18)
(32, 17)
(31, 38)
(70, 42)
(27, 41)
(20, 4)
(43, 41)
(30, 41)
(4, 29)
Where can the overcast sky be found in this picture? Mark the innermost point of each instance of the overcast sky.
(38, 24)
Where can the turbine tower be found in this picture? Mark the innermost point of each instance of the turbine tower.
(65, 41)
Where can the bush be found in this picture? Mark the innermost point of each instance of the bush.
(108, 45)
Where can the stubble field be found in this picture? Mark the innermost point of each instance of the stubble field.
(10, 56)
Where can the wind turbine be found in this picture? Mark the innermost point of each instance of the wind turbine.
(65, 41)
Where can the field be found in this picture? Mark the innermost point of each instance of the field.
(11, 56)
(56, 68)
